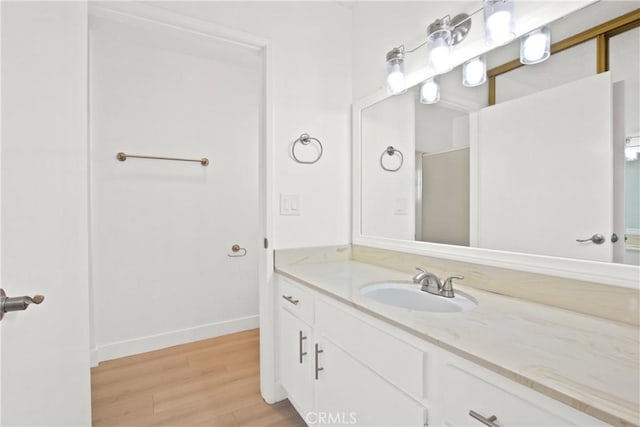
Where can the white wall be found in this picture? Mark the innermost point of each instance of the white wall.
(162, 231)
(388, 198)
(311, 93)
(45, 361)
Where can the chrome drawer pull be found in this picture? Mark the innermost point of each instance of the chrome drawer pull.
(290, 299)
(300, 352)
(318, 369)
(486, 421)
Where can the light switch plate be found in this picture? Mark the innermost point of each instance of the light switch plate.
(289, 204)
(401, 206)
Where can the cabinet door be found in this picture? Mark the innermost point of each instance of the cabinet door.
(296, 361)
(464, 390)
(349, 393)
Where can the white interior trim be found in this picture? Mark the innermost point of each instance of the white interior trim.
(269, 388)
(168, 339)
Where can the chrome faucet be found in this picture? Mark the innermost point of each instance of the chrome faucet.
(431, 283)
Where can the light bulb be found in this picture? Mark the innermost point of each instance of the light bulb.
(430, 91)
(535, 47)
(498, 22)
(474, 72)
(395, 82)
(438, 50)
(395, 71)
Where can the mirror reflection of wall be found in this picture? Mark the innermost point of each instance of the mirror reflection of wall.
(454, 206)
(624, 63)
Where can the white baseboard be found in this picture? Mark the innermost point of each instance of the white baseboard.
(171, 338)
(93, 358)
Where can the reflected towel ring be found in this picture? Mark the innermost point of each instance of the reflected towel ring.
(391, 152)
(305, 139)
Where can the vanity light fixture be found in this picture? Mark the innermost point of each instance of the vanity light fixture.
(499, 22)
(535, 47)
(446, 32)
(474, 72)
(395, 71)
(430, 91)
(441, 35)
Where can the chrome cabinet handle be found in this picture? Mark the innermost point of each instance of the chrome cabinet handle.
(301, 353)
(318, 369)
(486, 421)
(598, 239)
(8, 304)
(290, 299)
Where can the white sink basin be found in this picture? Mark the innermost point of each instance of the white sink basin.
(408, 295)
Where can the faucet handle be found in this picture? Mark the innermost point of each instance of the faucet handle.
(447, 286)
(449, 281)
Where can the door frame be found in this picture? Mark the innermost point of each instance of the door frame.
(268, 386)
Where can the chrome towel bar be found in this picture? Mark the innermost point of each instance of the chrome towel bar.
(122, 157)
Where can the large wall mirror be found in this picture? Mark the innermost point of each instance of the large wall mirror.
(536, 159)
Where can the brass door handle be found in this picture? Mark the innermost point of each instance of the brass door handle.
(8, 304)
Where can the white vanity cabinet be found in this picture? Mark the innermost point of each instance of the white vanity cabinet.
(352, 368)
(296, 357)
(324, 375)
(351, 393)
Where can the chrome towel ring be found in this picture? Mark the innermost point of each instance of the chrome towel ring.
(306, 139)
(390, 151)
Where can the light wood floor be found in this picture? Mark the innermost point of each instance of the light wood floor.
(211, 383)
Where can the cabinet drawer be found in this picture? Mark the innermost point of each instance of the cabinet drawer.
(464, 391)
(392, 359)
(296, 299)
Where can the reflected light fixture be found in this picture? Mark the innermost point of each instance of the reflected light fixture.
(499, 22)
(430, 91)
(395, 71)
(474, 72)
(535, 47)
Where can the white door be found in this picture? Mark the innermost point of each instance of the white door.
(162, 231)
(44, 370)
(531, 153)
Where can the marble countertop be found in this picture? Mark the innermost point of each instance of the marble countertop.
(588, 363)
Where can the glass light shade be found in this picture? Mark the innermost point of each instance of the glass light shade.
(430, 91)
(498, 22)
(535, 47)
(439, 49)
(395, 77)
(474, 72)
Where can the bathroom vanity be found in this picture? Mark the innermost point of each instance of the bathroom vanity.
(344, 358)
